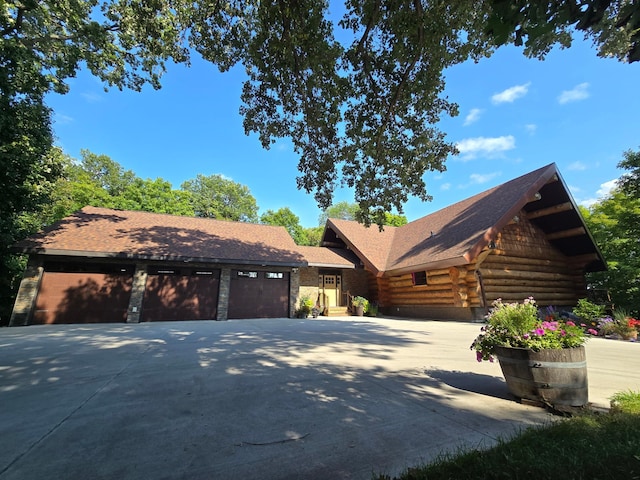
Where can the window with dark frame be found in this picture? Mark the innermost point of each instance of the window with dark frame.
(248, 274)
(419, 278)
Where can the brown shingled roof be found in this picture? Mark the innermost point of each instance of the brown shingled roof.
(455, 235)
(102, 232)
(329, 257)
(369, 243)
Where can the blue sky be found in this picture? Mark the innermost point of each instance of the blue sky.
(516, 114)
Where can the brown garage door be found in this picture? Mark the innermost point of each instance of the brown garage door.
(258, 294)
(181, 294)
(98, 295)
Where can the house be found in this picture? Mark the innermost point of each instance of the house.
(103, 265)
(523, 238)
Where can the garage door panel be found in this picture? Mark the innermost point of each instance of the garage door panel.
(81, 297)
(258, 295)
(181, 297)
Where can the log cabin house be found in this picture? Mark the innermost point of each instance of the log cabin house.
(523, 238)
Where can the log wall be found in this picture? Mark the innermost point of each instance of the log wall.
(525, 264)
(453, 287)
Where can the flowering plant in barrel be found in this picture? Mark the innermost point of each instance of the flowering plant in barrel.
(541, 354)
(522, 325)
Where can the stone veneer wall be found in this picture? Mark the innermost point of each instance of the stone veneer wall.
(26, 298)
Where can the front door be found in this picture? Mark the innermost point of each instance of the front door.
(330, 286)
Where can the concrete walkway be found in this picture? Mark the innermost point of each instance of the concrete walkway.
(258, 399)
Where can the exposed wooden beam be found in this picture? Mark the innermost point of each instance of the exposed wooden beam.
(572, 232)
(584, 259)
(562, 207)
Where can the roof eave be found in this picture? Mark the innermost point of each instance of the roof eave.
(163, 258)
(444, 263)
(368, 265)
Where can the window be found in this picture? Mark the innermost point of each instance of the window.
(274, 275)
(419, 278)
(248, 274)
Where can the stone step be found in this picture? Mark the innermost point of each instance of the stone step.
(338, 312)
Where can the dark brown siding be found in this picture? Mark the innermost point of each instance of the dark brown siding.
(174, 294)
(83, 297)
(259, 296)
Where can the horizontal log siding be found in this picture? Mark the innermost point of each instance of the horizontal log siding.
(525, 264)
(454, 287)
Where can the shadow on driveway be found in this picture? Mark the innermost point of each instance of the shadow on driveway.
(263, 399)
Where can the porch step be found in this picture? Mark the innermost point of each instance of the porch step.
(338, 312)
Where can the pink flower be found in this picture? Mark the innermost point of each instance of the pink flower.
(592, 331)
(571, 324)
(539, 332)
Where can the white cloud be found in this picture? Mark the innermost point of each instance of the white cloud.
(61, 119)
(577, 166)
(606, 187)
(531, 128)
(579, 92)
(472, 117)
(511, 94)
(91, 97)
(472, 147)
(482, 177)
(445, 186)
(604, 190)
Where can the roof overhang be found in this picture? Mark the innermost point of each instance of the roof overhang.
(159, 258)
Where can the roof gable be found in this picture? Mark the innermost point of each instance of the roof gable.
(456, 234)
(102, 232)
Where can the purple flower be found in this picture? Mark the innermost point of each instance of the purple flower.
(539, 332)
(525, 336)
(479, 356)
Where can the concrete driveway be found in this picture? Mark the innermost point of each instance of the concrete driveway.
(258, 399)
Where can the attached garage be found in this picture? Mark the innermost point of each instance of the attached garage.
(124, 266)
(91, 294)
(181, 294)
(258, 294)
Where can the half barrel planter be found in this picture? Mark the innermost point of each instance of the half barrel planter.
(557, 377)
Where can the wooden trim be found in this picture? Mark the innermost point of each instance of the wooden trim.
(543, 212)
(572, 232)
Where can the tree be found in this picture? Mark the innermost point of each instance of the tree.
(100, 181)
(613, 25)
(284, 217)
(362, 111)
(154, 196)
(615, 225)
(630, 181)
(351, 211)
(215, 196)
(341, 210)
(313, 236)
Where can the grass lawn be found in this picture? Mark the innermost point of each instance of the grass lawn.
(586, 446)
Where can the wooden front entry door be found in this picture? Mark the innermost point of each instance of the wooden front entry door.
(330, 286)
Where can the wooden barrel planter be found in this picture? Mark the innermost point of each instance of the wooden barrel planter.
(553, 377)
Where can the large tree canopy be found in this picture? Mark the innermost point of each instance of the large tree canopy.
(615, 224)
(214, 196)
(359, 93)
